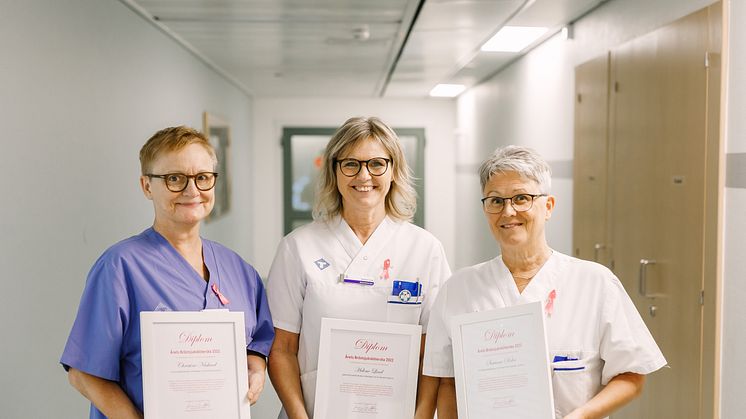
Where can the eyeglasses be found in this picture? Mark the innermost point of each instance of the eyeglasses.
(376, 166)
(177, 182)
(521, 202)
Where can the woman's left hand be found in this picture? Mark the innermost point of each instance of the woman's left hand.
(257, 368)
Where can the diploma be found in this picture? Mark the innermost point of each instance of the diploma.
(367, 370)
(501, 364)
(194, 365)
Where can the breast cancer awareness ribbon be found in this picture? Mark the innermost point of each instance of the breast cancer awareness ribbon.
(549, 306)
(386, 266)
(223, 299)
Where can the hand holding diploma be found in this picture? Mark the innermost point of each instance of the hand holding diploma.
(257, 367)
(501, 363)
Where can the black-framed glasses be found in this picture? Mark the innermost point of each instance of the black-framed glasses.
(521, 202)
(177, 182)
(376, 166)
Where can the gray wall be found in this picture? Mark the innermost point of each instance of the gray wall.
(83, 83)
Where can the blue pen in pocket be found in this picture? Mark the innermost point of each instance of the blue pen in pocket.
(559, 358)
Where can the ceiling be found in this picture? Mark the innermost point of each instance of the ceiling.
(351, 48)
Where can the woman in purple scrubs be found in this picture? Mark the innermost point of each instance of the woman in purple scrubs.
(167, 267)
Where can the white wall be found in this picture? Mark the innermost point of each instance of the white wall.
(531, 103)
(83, 84)
(437, 117)
(733, 403)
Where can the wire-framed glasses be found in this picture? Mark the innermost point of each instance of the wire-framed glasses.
(376, 166)
(177, 182)
(521, 202)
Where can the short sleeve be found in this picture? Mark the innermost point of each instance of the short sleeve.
(438, 359)
(439, 273)
(626, 344)
(286, 289)
(94, 345)
(264, 332)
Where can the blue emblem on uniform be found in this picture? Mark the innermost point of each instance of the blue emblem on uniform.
(405, 295)
(321, 264)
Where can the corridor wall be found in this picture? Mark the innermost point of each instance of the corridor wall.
(83, 84)
(733, 340)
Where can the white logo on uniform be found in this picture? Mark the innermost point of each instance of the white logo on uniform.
(162, 307)
(405, 295)
(321, 264)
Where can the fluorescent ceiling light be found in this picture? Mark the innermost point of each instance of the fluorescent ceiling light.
(513, 38)
(447, 90)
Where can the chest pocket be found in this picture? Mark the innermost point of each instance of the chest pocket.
(575, 381)
(404, 313)
(358, 302)
(346, 301)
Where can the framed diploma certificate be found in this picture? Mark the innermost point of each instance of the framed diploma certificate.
(367, 370)
(194, 365)
(501, 364)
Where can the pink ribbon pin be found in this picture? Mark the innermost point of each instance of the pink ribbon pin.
(386, 266)
(549, 307)
(221, 297)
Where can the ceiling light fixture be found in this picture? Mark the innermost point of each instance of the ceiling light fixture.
(447, 90)
(513, 38)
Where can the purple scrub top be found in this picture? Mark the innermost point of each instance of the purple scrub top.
(145, 273)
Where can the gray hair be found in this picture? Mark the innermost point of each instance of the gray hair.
(401, 201)
(522, 160)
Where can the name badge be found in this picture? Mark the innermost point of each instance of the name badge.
(406, 292)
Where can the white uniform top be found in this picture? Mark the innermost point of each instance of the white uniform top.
(304, 281)
(592, 319)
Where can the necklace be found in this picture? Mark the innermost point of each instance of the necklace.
(522, 278)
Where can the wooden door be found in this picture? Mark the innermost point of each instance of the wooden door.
(590, 163)
(659, 136)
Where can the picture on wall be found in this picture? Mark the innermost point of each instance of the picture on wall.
(218, 132)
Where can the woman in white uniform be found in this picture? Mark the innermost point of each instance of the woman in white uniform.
(345, 264)
(599, 346)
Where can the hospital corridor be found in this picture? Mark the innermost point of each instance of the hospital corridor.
(622, 125)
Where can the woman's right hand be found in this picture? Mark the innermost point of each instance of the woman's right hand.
(284, 372)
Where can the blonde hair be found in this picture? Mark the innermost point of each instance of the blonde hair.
(172, 139)
(401, 201)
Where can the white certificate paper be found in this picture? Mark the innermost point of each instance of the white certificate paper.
(501, 364)
(367, 370)
(194, 365)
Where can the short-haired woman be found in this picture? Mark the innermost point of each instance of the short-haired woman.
(599, 346)
(167, 267)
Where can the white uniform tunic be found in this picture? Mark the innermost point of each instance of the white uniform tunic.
(591, 319)
(304, 281)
